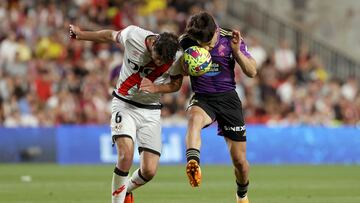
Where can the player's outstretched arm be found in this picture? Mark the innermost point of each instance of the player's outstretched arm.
(96, 36)
(248, 65)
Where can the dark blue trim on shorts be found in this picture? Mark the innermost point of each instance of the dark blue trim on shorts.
(141, 149)
(236, 137)
(114, 137)
(139, 105)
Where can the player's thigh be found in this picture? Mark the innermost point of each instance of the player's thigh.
(237, 150)
(199, 112)
(197, 116)
(125, 147)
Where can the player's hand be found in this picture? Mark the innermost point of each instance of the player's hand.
(74, 31)
(147, 86)
(236, 40)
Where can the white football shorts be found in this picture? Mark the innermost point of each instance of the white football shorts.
(141, 125)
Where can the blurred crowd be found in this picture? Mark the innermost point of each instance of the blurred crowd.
(48, 79)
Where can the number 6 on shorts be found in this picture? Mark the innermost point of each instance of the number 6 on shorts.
(118, 117)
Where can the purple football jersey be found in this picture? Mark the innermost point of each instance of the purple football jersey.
(221, 77)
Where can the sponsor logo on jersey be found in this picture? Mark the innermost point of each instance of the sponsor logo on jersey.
(214, 70)
(150, 71)
(116, 128)
(144, 70)
(221, 50)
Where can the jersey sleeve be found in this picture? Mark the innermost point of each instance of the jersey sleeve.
(177, 67)
(244, 49)
(123, 35)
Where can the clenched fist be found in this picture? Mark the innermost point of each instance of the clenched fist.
(74, 31)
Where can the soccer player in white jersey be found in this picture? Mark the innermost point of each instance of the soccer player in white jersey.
(148, 58)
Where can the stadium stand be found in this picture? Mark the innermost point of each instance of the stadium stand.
(47, 79)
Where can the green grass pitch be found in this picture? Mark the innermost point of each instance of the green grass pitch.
(269, 184)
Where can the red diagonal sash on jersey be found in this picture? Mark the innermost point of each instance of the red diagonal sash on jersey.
(159, 71)
(135, 79)
(130, 82)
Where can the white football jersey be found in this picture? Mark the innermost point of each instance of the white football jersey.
(137, 64)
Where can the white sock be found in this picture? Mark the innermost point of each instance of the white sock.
(136, 180)
(119, 186)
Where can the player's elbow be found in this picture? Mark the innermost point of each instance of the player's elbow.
(174, 88)
(176, 83)
(253, 69)
(104, 36)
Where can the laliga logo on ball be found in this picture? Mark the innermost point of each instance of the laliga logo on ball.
(197, 60)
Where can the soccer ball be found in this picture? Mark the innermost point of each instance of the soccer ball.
(197, 61)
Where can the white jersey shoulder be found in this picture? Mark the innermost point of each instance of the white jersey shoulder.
(177, 66)
(137, 64)
(133, 33)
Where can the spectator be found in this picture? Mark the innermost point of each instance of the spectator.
(284, 57)
(47, 79)
(257, 51)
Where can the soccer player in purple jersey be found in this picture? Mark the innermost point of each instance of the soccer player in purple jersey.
(214, 97)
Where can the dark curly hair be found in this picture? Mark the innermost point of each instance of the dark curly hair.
(166, 45)
(201, 27)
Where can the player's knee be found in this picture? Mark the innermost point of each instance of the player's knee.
(148, 172)
(125, 151)
(125, 158)
(196, 120)
(240, 163)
